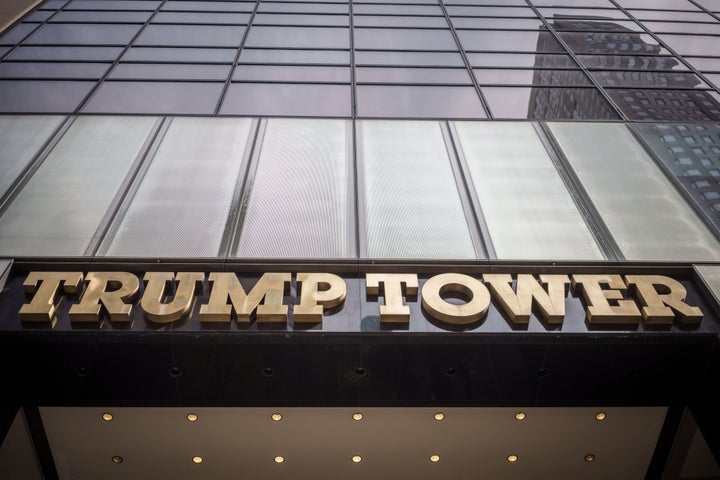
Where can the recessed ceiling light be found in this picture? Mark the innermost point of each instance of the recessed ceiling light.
(512, 458)
(279, 459)
(357, 459)
(434, 458)
(117, 459)
(439, 416)
(192, 417)
(107, 416)
(520, 416)
(276, 416)
(589, 457)
(600, 416)
(357, 416)
(197, 459)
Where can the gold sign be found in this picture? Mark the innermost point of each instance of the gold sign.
(449, 298)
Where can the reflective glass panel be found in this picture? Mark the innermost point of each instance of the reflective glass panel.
(66, 53)
(412, 207)
(693, 44)
(301, 19)
(202, 18)
(399, 21)
(156, 97)
(403, 101)
(619, 78)
(149, 5)
(692, 154)
(521, 41)
(21, 138)
(292, 99)
(299, 195)
(182, 204)
(531, 77)
(404, 39)
(298, 37)
(665, 105)
(412, 75)
(440, 59)
(256, 55)
(648, 219)
(84, 34)
(52, 70)
(548, 103)
(191, 35)
(612, 43)
(182, 55)
(222, 6)
(528, 211)
(520, 60)
(162, 71)
(101, 17)
(288, 73)
(631, 62)
(42, 96)
(60, 208)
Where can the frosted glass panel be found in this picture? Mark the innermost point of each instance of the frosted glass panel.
(646, 216)
(21, 137)
(61, 206)
(182, 205)
(298, 206)
(412, 205)
(528, 211)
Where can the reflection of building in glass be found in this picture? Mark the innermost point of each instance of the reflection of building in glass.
(636, 84)
(692, 153)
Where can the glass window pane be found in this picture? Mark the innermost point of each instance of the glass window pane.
(300, 195)
(520, 60)
(705, 64)
(298, 37)
(548, 103)
(156, 97)
(17, 33)
(560, 13)
(191, 35)
(412, 206)
(149, 5)
(647, 217)
(60, 208)
(42, 96)
(251, 55)
(668, 4)
(202, 18)
(292, 99)
(223, 6)
(301, 19)
(402, 101)
(84, 34)
(101, 17)
(631, 62)
(693, 44)
(21, 138)
(521, 41)
(181, 55)
(665, 105)
(439, 59)
(609, 43)
(498, 23)
(692, 154)
(91, 54)
(531, 77)
(380, 9)
(671, 15)
(399, 21)
(640, 79)
(529, 212)
(673, 27)
(412, 75)
(182, 203)
(150, 71)
(404, 39)
(287, 73)
(301, 7)
(53, 70)
(474, 11)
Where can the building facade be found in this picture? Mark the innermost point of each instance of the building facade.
(274, 238)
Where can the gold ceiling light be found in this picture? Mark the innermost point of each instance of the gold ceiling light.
(276, 417)
(520, 416)
(357, 416)
(356, 459)
(197, 459)
(117, 459)
(439, 416)
(191, 417)
(589, 457)
(434, 458)
(107, 416)
(512, 458)
(600, 416)
(279, 459)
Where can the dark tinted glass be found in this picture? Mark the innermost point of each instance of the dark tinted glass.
(20, 96)
(156, 98)
(665, 105)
